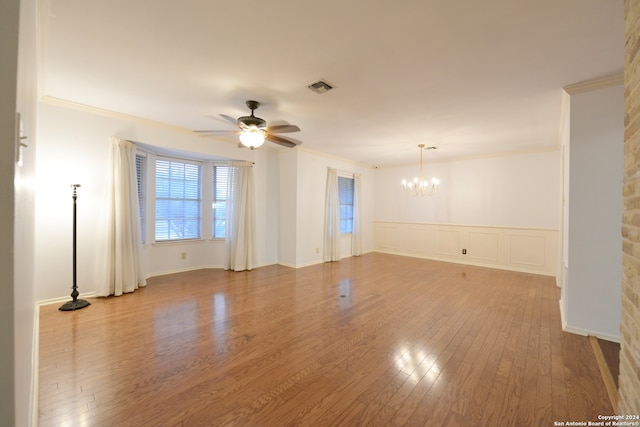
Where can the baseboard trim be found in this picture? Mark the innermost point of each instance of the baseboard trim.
(194, 268)
(184, 270)
(470, 263)
(584, 332)
(563, 319)
(308, 264)
(605, 372)
(588, 333)
(62, 299)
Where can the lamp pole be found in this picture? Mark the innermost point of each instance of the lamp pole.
(75, 303)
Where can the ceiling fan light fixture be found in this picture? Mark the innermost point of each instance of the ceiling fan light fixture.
(252, 138)
(254, 131)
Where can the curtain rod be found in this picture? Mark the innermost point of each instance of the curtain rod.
(342, 171)
(218, 162)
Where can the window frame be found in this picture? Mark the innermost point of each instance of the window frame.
(148, 199)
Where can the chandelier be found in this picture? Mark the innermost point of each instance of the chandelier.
(419, 186)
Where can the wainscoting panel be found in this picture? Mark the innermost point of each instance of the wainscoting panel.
(527, 250)
(414, 239)
(387, 236)
(447, 242)
(483, 246)
(510, 248)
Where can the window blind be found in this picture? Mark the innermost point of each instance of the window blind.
(177, 200)
(220, 196)
(141, 171)
(345, 190)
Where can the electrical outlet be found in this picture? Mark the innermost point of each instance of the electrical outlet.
(183, 255)
(464, 252)
(317, 250)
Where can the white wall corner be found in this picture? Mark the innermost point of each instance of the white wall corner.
(587, 332)
(563, 318)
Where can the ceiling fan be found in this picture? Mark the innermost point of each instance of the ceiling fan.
(254, 130)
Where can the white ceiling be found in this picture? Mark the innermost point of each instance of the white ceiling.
(470, 77)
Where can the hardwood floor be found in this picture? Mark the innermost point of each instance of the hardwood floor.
(611, 353)
(377, 340)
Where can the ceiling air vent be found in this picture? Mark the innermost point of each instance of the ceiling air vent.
(320, 87)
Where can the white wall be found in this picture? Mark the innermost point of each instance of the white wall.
(501, 212)
(303, 181)
(311, 192)
(518, 190)
(288, 208)
(531, 250)
(592, 300)
(74, 148)
(312, 181)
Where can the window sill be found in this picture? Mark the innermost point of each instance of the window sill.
(178, 242)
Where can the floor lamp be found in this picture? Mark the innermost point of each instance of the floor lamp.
(75, 303)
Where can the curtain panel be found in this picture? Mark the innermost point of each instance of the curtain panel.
(240, 227)
(331, 250)
(120, 268)
(356, 233)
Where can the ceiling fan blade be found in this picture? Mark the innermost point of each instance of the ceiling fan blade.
(229, 119)
(283, 128)
(216, 132)
(282, 141)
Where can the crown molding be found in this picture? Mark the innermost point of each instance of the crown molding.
(493, 155)
(332, 157)
(600, 83)
(51, 100)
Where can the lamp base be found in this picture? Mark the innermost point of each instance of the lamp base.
(75, 304)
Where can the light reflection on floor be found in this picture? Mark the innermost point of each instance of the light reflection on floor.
(220, 320)
(417, 364)
(345, 294)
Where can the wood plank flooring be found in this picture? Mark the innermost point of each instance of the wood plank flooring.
(377, 340)
(611, 352)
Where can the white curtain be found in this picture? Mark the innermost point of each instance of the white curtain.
(356, 233)
(331, 250)
(240, 227)
(122, 269)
